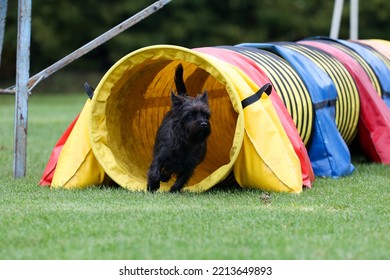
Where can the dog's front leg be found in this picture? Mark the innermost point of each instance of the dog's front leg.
(154, 174)
(181, 180)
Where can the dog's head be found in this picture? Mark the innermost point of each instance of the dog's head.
(192, 115)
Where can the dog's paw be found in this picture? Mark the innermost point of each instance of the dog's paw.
(152, 188)
(174, 190)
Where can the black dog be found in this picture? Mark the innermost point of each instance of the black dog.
(181, 140)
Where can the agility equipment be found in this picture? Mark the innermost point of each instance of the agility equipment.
(288, 85)
(48, 173)
(379, 64)
(382, 46)
(281, 113)
(347, 107)
(77, 166)
(328, 151)
(117, 127)
(230, 55)
(374, 117)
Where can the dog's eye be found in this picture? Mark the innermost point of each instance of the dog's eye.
(190, 115)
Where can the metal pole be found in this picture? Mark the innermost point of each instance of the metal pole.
(3, 14)
(21, 87)
(34, 80)
(354, 20)
(336, 19)
(97, 42)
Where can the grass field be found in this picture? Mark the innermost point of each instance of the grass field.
(347, 218)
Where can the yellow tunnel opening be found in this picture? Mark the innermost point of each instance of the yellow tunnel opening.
(131, 101)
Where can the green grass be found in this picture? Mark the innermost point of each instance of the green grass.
(347, 218)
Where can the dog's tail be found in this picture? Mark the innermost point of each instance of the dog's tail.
(179, 82)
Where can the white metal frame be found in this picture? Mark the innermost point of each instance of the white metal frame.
(353, 19)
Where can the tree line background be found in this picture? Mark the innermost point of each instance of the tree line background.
(59, 27)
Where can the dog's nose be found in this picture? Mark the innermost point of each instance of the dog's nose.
(203, 125)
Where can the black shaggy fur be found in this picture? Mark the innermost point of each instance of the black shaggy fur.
(181, 140)
(179, 82)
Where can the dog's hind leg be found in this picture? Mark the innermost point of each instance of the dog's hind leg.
(181, 181)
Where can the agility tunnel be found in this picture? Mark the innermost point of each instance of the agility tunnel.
(328, 152)
(260, 77)
(317, 104)
(288, 85)
(382, 46)
(357, 108)
(380, 65)
(130, 102)
(374, 117)
(376, 64)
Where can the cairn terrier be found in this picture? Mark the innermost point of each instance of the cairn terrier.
(181, 140)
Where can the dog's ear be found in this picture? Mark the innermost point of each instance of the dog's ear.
(204, 97)
(177, 100)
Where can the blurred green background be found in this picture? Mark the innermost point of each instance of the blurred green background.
(59, 27)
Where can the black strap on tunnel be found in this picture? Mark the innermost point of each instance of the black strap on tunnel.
(267, 88)
(326, 103)
(89, 90)
(386, 94)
